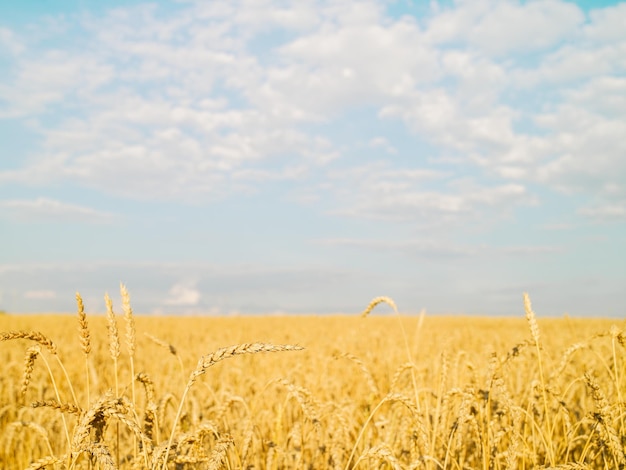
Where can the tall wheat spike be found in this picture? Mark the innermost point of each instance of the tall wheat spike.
(114, 350)
(130, 344)
(377, 301)
(85, 340)
(114, 338)
(29, 365)
(130, 332)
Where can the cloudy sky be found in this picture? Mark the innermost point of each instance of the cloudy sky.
(270, 156)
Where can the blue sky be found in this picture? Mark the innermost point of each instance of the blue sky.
(259, 156)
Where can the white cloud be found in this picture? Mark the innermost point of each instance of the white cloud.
(606, 212)
(417, 248)
(382, 143)
(438, 249)
(587, 152)
(572, 63)
(56, 77)
(498, 28)
(207, 100)
(39, 209)
(510, 27)
(40, 295)
(604, 95)
(160, 128)
(183, 294)
(349, 62)
(423, 196)
(607, 24)
(9, 43)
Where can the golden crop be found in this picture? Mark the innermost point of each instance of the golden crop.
(381, 390)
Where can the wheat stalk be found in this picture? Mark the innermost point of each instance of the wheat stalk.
(605, 418)
(369, 378)
(130, 340)
(380, 452)
(389, 301)
(213, 358)
(534, 332)
(38, 428)
(310, 407)
(51, 347)
(114, 350)
(391, 397)
(169, 347)
(150, 422)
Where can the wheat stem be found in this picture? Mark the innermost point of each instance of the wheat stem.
(213, 358)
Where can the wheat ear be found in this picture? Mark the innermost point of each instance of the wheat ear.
(130, 332)
(383, 453)
(45, 462)
(219, 452)
(29, 365)
(33, 336)
(85, 339)
(377, 301)
(62, 407)
(101, 453)
(114, 337)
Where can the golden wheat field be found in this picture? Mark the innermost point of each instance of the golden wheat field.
(372, 391)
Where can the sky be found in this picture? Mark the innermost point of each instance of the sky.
(255, 156)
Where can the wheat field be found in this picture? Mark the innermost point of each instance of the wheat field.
(376, 390)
